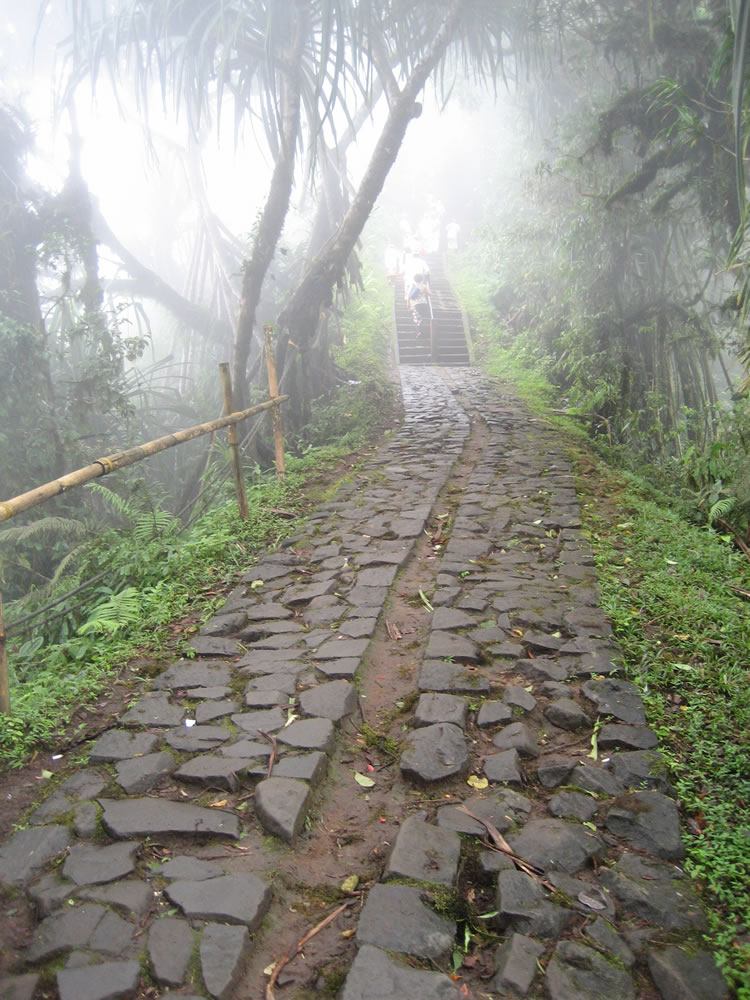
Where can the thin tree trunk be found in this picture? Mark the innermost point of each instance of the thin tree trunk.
(274, 211)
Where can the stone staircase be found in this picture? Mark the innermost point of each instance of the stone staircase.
(448, 345)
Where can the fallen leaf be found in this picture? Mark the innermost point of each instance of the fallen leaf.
(219, 804)
(363, 780)
(350, 884)
(477, 782)
(256, 584)
(350, 933)
(46, 774)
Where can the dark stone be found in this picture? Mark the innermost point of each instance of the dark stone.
(281, 805)
(337, 649)
(19, 987)
(582, 896)
(576, 972)
(502, 808)
(521, 903)
(375, 976)
(631, 737)
(334, 700)
(493, 713)
(518, 697)
(377, 576)
(309, 734)
(554, 843)
(49, 893)
(344, 669)
(649, 821)
(567, 714)
(225, 624)
(621, 699)
(503, 767)
(683, 976)
(554, 773)
(154, 709)
(606, 937)
(196, 738)
(451, 677)
(517, 736)
(492, 862)
(117, 744)
(207, 645)
(247, 749)
(170, 946)
(653, 891)
(434, 708)
(434, 753)
(425, 853)
(232, 899)
(395, 918)
(541, 669)
(193, 673)
(640, 769)
(268, 612)
(222, 953)
(223, 772)
(144, 817)
(130, 896)
(573, 805)
(190, 869)
(265, 698)
(279, 681)
(85, 784)
(90, 927)
(105, 981)
(214, 710)
(594, 779)
(541, 643)
(268, 720)
(141, 773)
(305, 767)
(446, 646)
(88, 865)
(445, 619)
(28, 851)
(303, 595)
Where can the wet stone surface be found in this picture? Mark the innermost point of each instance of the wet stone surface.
(214, 786)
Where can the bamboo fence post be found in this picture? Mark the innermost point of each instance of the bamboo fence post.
(273, 392)
(4, 682)
(234, 444)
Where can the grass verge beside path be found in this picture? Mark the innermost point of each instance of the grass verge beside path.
(685, 636)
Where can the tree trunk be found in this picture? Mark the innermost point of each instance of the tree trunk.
(274, 211)
(300, 316)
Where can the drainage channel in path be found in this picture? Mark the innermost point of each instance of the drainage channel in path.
(173, 864)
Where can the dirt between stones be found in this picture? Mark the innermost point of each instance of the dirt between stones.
(350, 830)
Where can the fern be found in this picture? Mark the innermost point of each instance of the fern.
(721, 508)
(118, 503)
(155, 522)
(114, 613)
(62, 526)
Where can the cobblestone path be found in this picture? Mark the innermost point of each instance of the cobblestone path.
(340, 745)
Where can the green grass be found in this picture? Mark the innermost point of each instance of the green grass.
(685, 638)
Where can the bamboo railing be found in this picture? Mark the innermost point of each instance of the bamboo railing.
(111, 463)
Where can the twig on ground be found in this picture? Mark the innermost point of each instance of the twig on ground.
(272, 758)
(499, 843)
(290, 953)
(394, 632)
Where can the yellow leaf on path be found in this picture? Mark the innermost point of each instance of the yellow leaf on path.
(363, 780)
(350, 933)
(350, 884)
(219, 804)
(476, 782)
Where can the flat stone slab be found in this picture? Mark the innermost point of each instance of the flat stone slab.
(211, 710)
(639, 769)
(567, 714)
(281, 806)
(377, 576)
(622, 699)
(649, 821)
(223, 772)
(445, 645)
(451, 677)
(303, 595)
(654, 891)
(516, 965)
(309, 734)
(573, 805)
(338, 649)
(154, 709)
(594, 779)
(334, 700)
(89, 927)
(232, 899)
(193, 674)
(116, 744)
(269, 612)
(247, 749)
(518, 697)
(344, 669)
(681, 975)
(251, 722)
(146, 817)
(222, 953)
(197, 738)
(446, 619)
(394, 918)
(424, 852)
(170, 947)
(502, 808)
(190, 869)
(553, 843)
(630, 737)
(105, 981)
(434, 707)
(131, 896)
(27, 852)
(19, 987)
(503, 767)
(577, 972)
(141, 773)
(375, 976)
(434, 753)
(90, 865)
(85, 784)
(494, 713)
(209, 645)
(517, 736)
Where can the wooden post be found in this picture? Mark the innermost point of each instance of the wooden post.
(4, 682)
(234, 445)
(273, 392)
